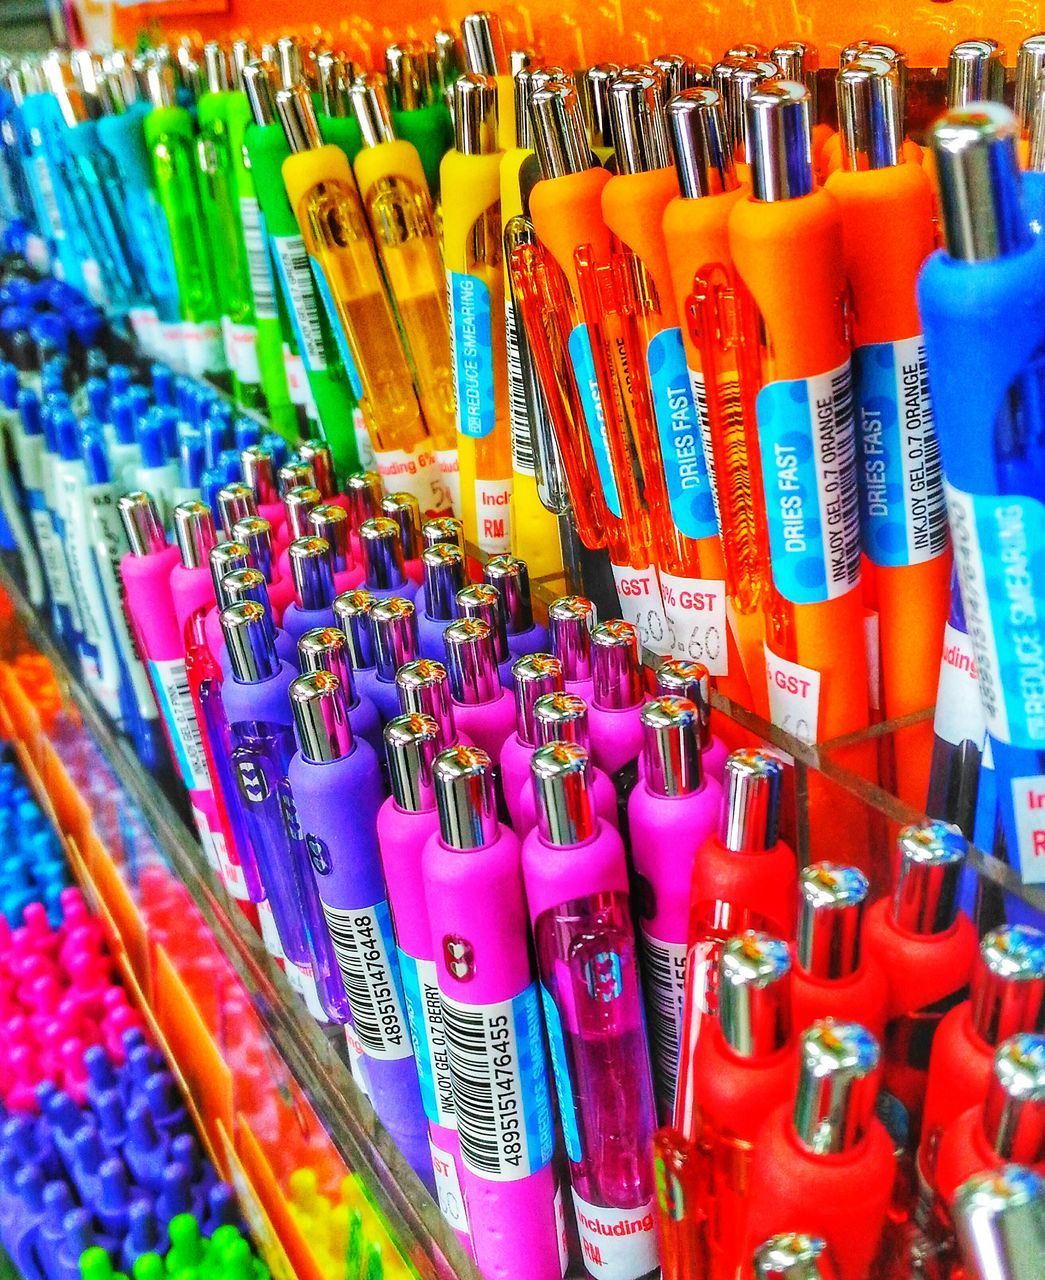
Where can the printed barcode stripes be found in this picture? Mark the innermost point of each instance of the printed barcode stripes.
(936, 499)
(471, 1071)
(518, 415)
(845, 443)
(365, 963)
(261, 283)
(662, 1014)
(186, 724)
(302, 299)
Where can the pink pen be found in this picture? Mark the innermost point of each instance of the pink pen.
(327, 649)
(405, 510)
(483, 601)
(671, 811)
(313, 575)
(618, 693)
(259, 472)
(683, 678)
(298, 503)
(394, 626)
(511, 577)
(405, 823)
(444, 571)
(235, 502)
(256, 532)
(570, 620)
(534, 675)
(352, 610)
(363, 493)
(563, 717)
(491, 1016)
(332, 523)
(424, 689)
(576, 876)
(483, 707)
(384, 572)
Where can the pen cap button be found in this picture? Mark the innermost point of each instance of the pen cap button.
(1008, 983)
(352, 609)
(373, 114)
(364, 492)
(1014, 1109)
(321, 717)
(683, 678)
(447, 60)
(333, 75)
(412, 742)
(297, 115)
(511, 577)
(465, 798)
(1030, 63)
(557, 124)
(483, 40)
(751, 806)
(831, 902)
(256, 533)
(424, 689)
(245, 584)
(792, 1256)
(248, 636)
(533, 676)
(1000, 1221)
(215, 67)
(470, 661)
(395, 634)
(225, 558)
(570, 620)
(975, 73)
(560, 717)
(981, 201)
(703, 154)
(327, 649)
(443, 567)
(671, 746)
(331, 523)
(676, 73)
(382, 554)
(410, 71)
(289, 61)
(798, 60)
(746, 75)
(754, 994)
(258, 86)
(475, 114)
(235, 503)
(480, 600)
(838, 1076)
(299, 503)
(560, 785)
(779, 140)
(295, 474)
(259, 471)
(594, 91)
(869, 121)
(443, 529)
(312, 573)
(240, 56)
(321, 460)
(932, 855)
(616, 672)
(405, 510)
(142, 524)
(640, 133)
(194, 530)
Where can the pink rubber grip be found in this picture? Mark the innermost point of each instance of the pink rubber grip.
(401, 839)
(616, 736)
(147, 582)
(516, 778)
(555, 875)
(603, 794)
(487, 724)
(191, 589)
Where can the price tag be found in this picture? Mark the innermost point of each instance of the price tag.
(794, 697)
(696, 609)
(638, 591)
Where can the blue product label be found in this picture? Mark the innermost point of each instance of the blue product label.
(337, 328)
(809, 473)
(595, 420)
(472, 342)
(561, 1076)
(681, 446)
(903, 514)
(500, 1086)
(424, 1012)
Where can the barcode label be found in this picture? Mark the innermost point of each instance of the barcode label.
(700, 399)
(664, 979)
(424, 1012)
(523, 460)
(366, 955)
(809, 471)
(500, 1085)
(299, 289)
(51, 554)
(255, 239)
(175, 699)
(47, 194)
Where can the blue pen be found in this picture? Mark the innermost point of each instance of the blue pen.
(12, 501)
(982, 299)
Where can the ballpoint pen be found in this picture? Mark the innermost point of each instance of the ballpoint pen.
(618, 692)
(991, 265)
(576, 878)
(231, 585)
(313, 577)
(259, 472)
(995, 1210)
(384, 568)
(481, 601)
(511, 577)
(472, 251)
(393, 629)
(685, 679)
(532, 677)
(419, 113)
(672, 794)
(483, 708)
(492, 1021)
(485, 54)
(352, 610)
(793, 1255)
(327, 649)
(256, 533)
(424, 689)
(405, 510)
(332, 523)
(445, 574)
(593, 86)
(563, 717)
(299, 501)
(28, 442)
(235, 502)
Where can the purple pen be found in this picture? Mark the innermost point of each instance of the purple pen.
(424, 688)
(444, 572)
(299, 502)
(570, 620)
(534, 675)
(674, 807)
(330, 769)
(576, 877)
(327, 649)
(363, 493)
(405, 510)
(483, 707)
(384, 572)
(256, 532)
(332, 522)
(313, 577)
(321, 460)
(617, 695)
(482, 601)
(223, 557)
(235, 502)
(511, 577)
(563, 717)
(250, 584)
(405, 823)
(492, 1021)
(683, 678)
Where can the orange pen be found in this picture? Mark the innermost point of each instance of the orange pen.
(831, 155)
(887, 227)
(736, 77)
(797, 60)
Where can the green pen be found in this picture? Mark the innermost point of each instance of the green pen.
(95, 1264)
(419, 114)
(148, 1266)
(171, 140)
(187, 1246)
(328, 380)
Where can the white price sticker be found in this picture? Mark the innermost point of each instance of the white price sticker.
(145, 324)
(638, 591)
(364, 447)
(450, 471)
(202, 349)
(240, 342)
(616, 1244)
(270, 934)
(794, 697)
(493, 516)
(412, 471)
(873, 644)
(696, 609)
(448, 1188)
(1028, 804)
(207, 841)
(959, 715)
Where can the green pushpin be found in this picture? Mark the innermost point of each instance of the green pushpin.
(148, 1267)
(95, 1264)
(236, 1260)
(187, 1246)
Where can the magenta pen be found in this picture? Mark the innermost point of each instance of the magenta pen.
(384, 572)
(480, 600)
(563, 717)
(313, 576)
(674, 807)
(534, 675)
(406, 821)
(298, 504)
(394, 625)
(352, 611)
(570, 620)
(259, 471)
(424, 689)
(256, 532)
(683, 678)
(483, 707)
(405, 510)
(363, 493)
(235, 502)
(444, 574)
(250, 584)
(492, 1021)
(511, 577)
(618, 693)
(329, 767)
(576, 876)
(331, 522)
(225, 557)
(327, 649)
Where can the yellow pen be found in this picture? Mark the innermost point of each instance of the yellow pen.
(323, 195)
(472, 250)
(485, 55)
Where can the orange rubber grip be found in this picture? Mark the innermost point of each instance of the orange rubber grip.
(633, 206)
(567, 213)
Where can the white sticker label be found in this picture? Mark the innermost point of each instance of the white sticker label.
(424, 1011)
(640, 604)
(297, 379)
(959, 715)
(448, 1188)
(92, 278)
(873, 645)
(202, 348)
(36, 252)
(696, 609)
(562, 1234)
(241, 350)
(269, 933)
(664, 978)
(365, 950)
(206, 836)
(364, 446)
(1028, 803)
(231, 871)
(450, 470)
(309, 991)
(794, 697)
(616, 1244)
(356, 1065)
(299, 288)
(493, 516)
(145, 325)
(412, 471)
(175, 699)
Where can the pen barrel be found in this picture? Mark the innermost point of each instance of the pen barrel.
(995, 1214)
(394, 622)
(1007, 992)
(831, 903)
